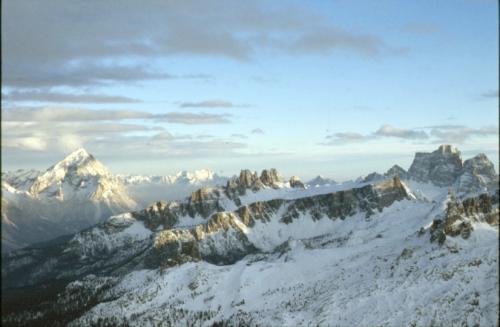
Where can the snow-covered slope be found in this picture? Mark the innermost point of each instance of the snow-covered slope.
(258, 251)
(21, 179)
(380, 267)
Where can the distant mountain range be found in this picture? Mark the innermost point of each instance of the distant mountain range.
(79, 192)
(416, 247)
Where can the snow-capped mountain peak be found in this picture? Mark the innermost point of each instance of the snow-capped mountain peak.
(74, 169)
(73, 194)
(77, 156)
(84, 162)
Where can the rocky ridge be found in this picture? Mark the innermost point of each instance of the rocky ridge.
(168, 261)
(219, 238)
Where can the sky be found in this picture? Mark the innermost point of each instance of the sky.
(338, 88)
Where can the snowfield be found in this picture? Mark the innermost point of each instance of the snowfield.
(352, 272)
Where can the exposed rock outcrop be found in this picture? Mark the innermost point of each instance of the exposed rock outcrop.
(441, 167)
(203, 202)
(251, 181)
(460, 215)
(295, 182)
(478, 174)
(173, 247)
(270, 177)
(223, 238)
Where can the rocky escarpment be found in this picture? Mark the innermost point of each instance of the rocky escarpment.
(441, 167)
(167, 214)
(444, 167)
(131, 241)
(461, 214)
(223, 238)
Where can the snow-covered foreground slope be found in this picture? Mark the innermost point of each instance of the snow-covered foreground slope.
(360, 272)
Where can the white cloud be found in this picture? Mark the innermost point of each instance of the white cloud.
(25, 143)
(52, 114)
(194, 119)
(456, 134)
(390, 131)
(209, 104)
(459, 133)
(58, 97)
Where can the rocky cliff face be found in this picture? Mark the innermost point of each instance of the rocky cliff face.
(441, 167)
(251, 181)
(222, 239)
(126, 242)
(166, 214)
(478, 173)
(460, 216)
(444, 167)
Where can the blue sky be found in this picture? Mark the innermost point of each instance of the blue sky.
(338, 88)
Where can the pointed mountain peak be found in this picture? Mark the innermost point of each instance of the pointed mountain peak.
(77, 165)
(396, 170)
(77, 157)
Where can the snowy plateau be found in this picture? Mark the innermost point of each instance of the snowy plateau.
(400, 248)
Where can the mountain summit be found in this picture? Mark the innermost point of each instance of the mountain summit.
(72, 170)
(73, 194)
(444, 167)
